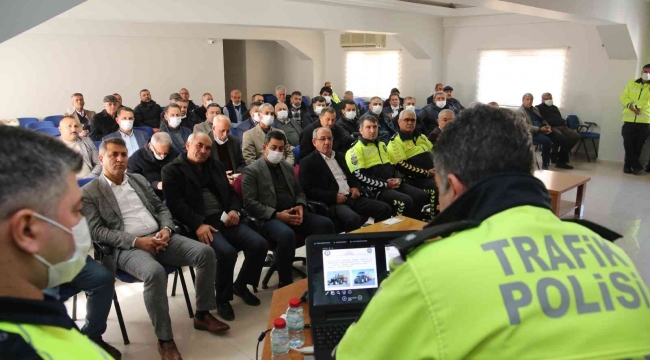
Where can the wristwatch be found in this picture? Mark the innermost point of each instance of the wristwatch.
(171, 231)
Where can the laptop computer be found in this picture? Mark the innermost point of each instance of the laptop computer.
(344, 272)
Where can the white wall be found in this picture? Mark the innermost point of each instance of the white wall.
(593, 82)
(261, 67)
(295, 73)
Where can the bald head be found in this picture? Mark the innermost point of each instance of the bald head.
(235, 96)
(69, 128)
(185, 94)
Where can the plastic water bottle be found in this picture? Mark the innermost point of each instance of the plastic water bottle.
(280, 340)
(296, 323)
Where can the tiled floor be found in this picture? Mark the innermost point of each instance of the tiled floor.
(618, 201)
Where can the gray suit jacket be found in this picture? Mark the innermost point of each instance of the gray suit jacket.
(89, 115)
(104, 217)
(253, 142)
(204, 127)
(529, 122)
(258, 190)
(140, 136)
(90, 154)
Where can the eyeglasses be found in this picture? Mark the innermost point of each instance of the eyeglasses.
(409, 120)
(325, 138)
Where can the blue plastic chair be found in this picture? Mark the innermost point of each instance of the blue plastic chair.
(27, 120)
(146, 129)
(97, 143)
(55, 119)
(83, 181)
(574, 123)
(296, 154)
(40, 125)
(233, 130)
(417, 111)
(269, 98)
(359, 100)
(50, 131)
(306, 100)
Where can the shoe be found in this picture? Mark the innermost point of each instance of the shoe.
(169, 351)
(544, 167)
(637, 168)
(647, 169)
(112, 351)
(225, 311)
(554, 158)
(211, 324)
(246, 295)
(627, 169)
(563, 166)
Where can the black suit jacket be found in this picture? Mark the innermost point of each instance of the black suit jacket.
(317, 180)
(143, 162)
(184, 194)
(101, 125)
(234, 148)
(342, 139)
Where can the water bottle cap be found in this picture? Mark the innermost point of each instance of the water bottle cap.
(279, 323)
(294, 302)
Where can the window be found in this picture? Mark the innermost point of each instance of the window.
(372, 73)
(506, 75)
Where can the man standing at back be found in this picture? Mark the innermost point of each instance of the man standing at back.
(511, 280)
(147, 112)
(636, 120)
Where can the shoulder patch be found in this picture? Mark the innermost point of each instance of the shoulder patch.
(604, 232)
(354, 159)
(410, 242)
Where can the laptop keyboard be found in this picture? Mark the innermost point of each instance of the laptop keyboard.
(328, 336)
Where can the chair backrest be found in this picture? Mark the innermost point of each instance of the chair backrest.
(50, 131)
(146, 129)
(269, 98)
(233, 130)
(83, 181)
(296, 170)
(359, 100)
(27, 120)
(97, 143)
(55, 119)
(417, 111)
(572, 122)
(40, 125)
(306, 100)
(237, 185)
(296, 154)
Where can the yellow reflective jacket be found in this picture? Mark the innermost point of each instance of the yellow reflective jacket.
(638, 93)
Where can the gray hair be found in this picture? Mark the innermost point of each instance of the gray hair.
(439, 93)
(280, 88)
(266, 105)
(33, 171)
(409, 98)
(161, 138)
(104, 144)
(506, 146)
(444, 112)
(348, 93)
(546, 93)
(193, 136)
(407, 112)
(527, 94)
(222, 118)
(315, 132)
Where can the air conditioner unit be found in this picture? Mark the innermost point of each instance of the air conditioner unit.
(359, 40)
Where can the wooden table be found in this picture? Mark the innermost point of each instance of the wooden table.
(281, 297)
(558, 183)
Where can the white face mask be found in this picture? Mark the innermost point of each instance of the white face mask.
(67, 270)
(376, 109)
(274, 157)
(219, 141)
(254, 117)
(208, 102)
(548, 102)
(441, 104)
(267, 119)
(155, 154)
(318, 109)
(296, 106)
(350, 115)
(237, 104)
(328, 99)
(283, 114)
(126, 125)
(410, 107)
(175, 121)
(645, 76)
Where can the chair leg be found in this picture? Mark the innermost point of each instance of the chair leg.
(584, 144)
(193, 275)
(120, 319)
(187, 296)
(267, 277)
(300, 272)
(174, 285)
(74, 308)
(593, 143)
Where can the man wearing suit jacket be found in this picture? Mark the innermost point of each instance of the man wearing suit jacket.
(249, 123)
(253, 145)
(327, 118)
(103, 123)
(199, 196)
(84, 116)
(325, 177)
(70, 129)
(124, 213)
(172, 125)
(290, 126)
(272, 194)
(211, 112)
(149, 161)
(226, 148)
(134, 138)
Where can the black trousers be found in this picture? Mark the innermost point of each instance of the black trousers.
(428, 186)
(347, 216)
(634, 136)
(406, 200)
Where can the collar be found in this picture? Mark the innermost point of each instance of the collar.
(111, 184)
(404, 136)
(49, 312)
(123, 134)
(366, 142)
(494, 195)
(328, 158)
(82, 114)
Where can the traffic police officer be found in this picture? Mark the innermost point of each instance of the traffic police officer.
(499, 275)
(410, 152)
(636, 120)
(44, 242)
(369, 162)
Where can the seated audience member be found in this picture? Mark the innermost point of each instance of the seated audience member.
(349, 121)
(213, 110)
(386, 127)
(409, 103)
(311, 116)
(280, 95)
(253, 145)
(185, 94)
(349, 95)
(273, 195)
(226, 147)
(188, 119)
(103, 123)
(539, 129)
(297, 107)
(534, 272)
(427, 119)
(147, 112)
(493, 104)
(342, 139)
(394, 107)
(439, 87)
(291, 128)
(326, 93)
(410, 153)
(444, 117)
(70, 129)
(134, 138)
(387, 102)
(200, 197)
(38, 216)
(454, 104)
(235, 109)
(119, 100)
(325, 177)
(149, 160)
(564, 137)
(369, 162)
(335, 98)
(202, 110)
(257, 98)
(172, 126)
(143, 240)
(249, 123)
(84, 116)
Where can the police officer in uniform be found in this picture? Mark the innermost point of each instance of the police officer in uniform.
(499, 275)
(636, 120)
(410, 152)
(44, 242)
(369, 162)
